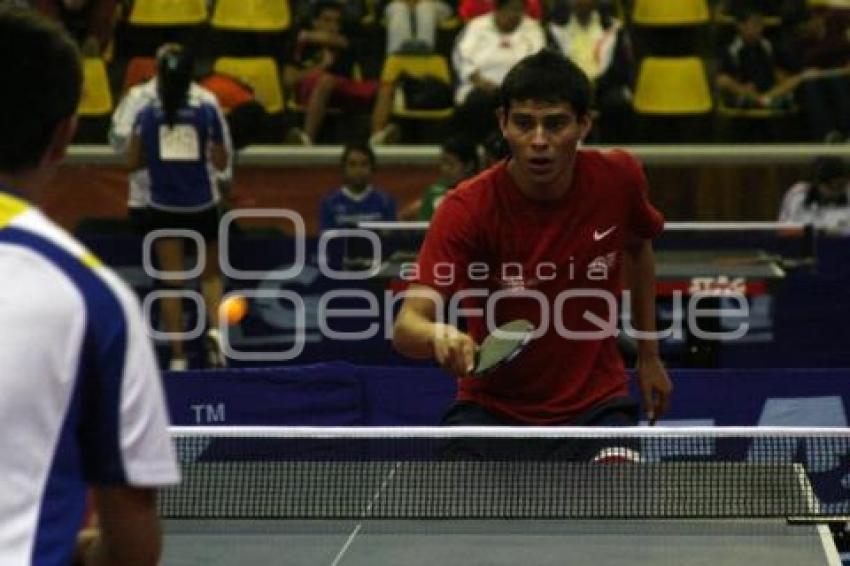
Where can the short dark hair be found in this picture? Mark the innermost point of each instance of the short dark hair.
(359, 147)
(44, 80)
(547, 76)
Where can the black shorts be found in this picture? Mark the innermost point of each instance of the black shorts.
(616, 412)
(205, 222)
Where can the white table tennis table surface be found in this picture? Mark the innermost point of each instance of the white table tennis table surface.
(727, 542)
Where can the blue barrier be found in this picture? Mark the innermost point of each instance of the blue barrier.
(343, 394)
(804, 324)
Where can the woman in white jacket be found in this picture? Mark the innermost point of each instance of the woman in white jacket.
(485, 51)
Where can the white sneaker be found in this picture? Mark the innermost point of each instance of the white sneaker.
(178, 364)
(215, 355)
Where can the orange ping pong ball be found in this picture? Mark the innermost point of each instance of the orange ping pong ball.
(233, 309)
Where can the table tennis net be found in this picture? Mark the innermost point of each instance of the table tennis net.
(488, 473)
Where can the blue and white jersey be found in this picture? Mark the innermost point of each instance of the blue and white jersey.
(121, 127)
(81, 401)
(177, 156)
(344, 209)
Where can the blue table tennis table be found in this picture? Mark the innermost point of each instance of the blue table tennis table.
(497, 542)
(465, 513)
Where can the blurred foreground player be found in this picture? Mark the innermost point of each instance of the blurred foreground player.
(533, 236)
(81, 403)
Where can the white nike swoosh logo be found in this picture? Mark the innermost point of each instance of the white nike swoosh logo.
(599, 235)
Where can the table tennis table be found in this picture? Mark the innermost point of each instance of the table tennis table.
(414, 488)
(497, 542)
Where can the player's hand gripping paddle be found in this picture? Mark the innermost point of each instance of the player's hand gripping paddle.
(502, 346)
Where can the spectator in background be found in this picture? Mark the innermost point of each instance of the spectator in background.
(179, 139)
(485, 51)
(356, 200)
(753, 72)
(458, 161)
(410, 21)
(824, 200)
(354, 12)
(121, 128)
(419, 93)
(319, 69)
(600, 46)
(90, 22)
(768, 8)
(822, 45)
(468, 9)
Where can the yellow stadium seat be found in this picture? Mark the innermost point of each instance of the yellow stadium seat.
(670, 12)
(672, 86)
(416, 66)
(251, 15)
(96, 98)
(168, 12)
(260, 73)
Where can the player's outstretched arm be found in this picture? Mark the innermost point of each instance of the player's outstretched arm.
(653, 381)
(418, 334)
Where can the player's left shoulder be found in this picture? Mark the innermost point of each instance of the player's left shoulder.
(617, 169)
(94, 273)
(619, 159)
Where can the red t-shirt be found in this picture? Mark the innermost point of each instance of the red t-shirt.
(490, 236)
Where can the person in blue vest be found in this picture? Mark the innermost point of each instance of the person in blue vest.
(179, 138)
(356, 200)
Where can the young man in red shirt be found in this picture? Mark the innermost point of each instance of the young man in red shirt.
(536, 235)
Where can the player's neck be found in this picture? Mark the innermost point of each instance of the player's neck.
(541, 191)
(25, 185)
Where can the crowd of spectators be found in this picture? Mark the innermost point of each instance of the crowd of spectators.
(790, 57)
(805, 63)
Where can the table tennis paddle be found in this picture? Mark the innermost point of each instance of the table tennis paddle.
(502, 346)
